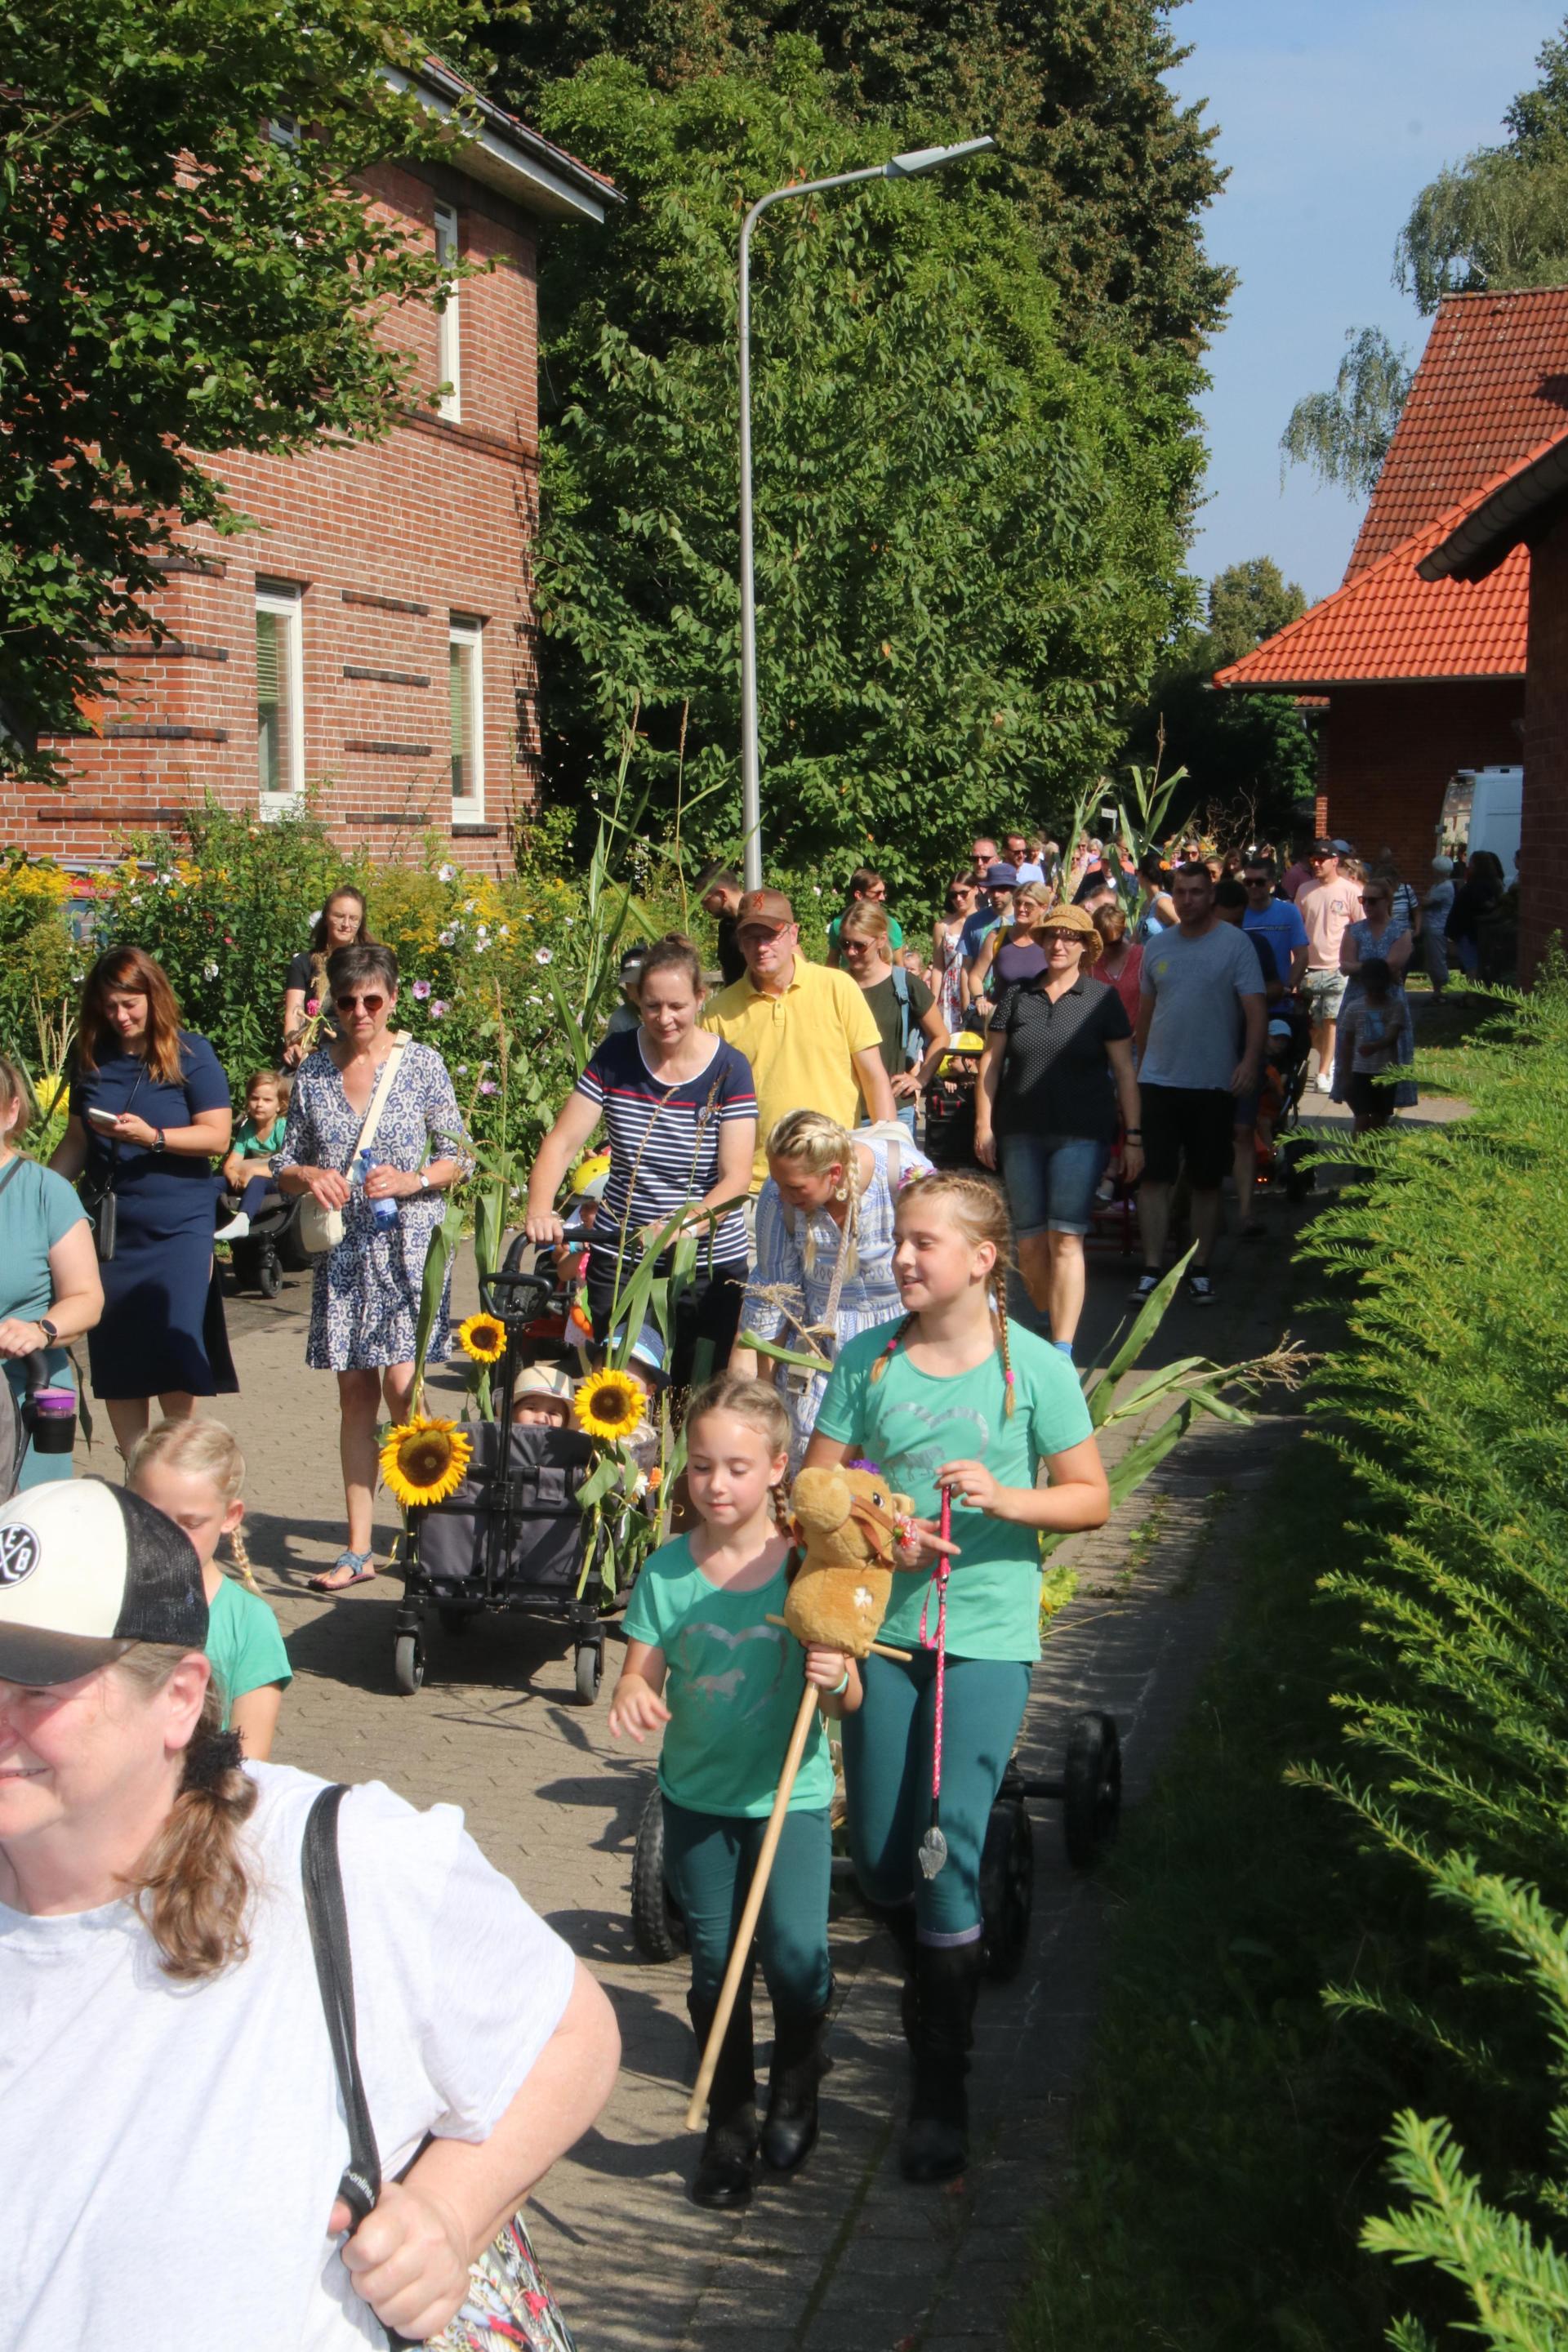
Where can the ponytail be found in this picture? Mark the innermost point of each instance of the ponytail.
(190, 1887)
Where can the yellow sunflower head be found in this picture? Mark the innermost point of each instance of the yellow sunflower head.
(482, 1338)
(423, 1461)
(610, 1405)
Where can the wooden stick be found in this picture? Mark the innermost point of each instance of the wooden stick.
(903, 1657)
(747, 1929)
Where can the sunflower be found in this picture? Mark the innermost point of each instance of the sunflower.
(609, 1404)
(423, 1461)
(482, 1338)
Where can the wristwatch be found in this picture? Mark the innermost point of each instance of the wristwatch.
(421, 1179)
(48, 1331)
(157, 1139)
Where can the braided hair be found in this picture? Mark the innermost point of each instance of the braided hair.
(203, 1449)
(979, 1209)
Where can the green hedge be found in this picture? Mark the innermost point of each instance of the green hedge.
(1448, 1402)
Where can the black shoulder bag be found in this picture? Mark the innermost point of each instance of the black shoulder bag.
(508, 2302)
(98, 1199)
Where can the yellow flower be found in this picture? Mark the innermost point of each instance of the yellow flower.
(482, 1338)
(423, 1461)
(609, 1404)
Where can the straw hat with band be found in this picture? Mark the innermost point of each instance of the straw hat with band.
(1070, 919)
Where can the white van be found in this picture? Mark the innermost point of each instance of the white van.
(1481, 808)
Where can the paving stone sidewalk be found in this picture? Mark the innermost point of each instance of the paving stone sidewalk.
(846, 2256)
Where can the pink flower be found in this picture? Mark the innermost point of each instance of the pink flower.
(421, 990)
(312, 1004)
(488, 1087)
(437, 1008)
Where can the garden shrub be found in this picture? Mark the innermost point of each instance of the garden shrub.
(1447, 1402)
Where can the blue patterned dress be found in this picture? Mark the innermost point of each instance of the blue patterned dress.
(797, 1252)
(365, 1304)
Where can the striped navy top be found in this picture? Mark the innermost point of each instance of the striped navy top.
(670, 1135)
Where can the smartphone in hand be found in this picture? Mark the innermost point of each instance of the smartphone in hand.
(102, 1119)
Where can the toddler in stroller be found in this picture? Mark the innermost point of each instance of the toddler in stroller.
(950, 1103)
(261, 1221)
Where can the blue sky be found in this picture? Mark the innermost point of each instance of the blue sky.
(1332, 114)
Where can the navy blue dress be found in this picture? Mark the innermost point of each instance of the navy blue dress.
(162, 1324)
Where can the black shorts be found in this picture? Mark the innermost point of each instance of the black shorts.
(1194, 1123)
(1369, 1097)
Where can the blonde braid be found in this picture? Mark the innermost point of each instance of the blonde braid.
(880, 1366)
(240, 1554)
(999, 1291)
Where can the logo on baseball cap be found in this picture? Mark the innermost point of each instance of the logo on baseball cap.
(86, 1571)
(768, 908)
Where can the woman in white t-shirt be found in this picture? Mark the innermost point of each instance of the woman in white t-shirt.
(171, 2101)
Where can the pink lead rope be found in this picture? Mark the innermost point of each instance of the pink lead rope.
(933, 1845)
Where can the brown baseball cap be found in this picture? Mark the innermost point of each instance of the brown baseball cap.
(769, 908)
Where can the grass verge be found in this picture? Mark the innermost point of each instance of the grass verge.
(1228, 2145)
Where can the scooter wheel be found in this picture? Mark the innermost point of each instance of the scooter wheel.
(658, 1931)
(1092, 1788)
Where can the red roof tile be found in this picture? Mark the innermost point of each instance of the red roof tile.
(1389, 626)
(1491, 387)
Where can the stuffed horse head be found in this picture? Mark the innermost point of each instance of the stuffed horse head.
(847, 1524)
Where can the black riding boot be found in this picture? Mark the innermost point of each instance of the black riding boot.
(947, 1981)
(724, 2177)
(800, 2062)
(899, 1918)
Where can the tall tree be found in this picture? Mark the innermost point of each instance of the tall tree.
(969, 539)
(1499, 219)
(1110, 171)
(173, 277)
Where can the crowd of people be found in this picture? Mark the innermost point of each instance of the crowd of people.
(1110, 1023)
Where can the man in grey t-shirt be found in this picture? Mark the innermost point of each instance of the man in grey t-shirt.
(1201, 986)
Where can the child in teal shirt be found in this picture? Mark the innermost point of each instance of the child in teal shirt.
(247, 1169)
(193, 1472)
(705, 1667)
(951, 1400)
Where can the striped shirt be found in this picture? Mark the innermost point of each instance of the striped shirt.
(670, 1135)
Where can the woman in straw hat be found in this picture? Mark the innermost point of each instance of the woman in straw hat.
(1058, 1069)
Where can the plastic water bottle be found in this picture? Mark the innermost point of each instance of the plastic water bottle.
(383, 1212)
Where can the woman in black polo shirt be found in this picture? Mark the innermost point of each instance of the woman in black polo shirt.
(1057, 1072)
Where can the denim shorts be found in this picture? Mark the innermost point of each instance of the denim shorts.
(1050, 1181)
(1325, 992)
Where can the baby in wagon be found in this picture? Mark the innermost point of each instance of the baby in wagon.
(542, 1398)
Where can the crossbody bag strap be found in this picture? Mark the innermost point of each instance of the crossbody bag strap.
(377, 1102)
(320, 1870)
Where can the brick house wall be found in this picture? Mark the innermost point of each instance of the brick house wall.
(1388, 752)
(1544, 816)
(385, 545)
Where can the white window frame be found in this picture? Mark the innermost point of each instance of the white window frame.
(287, 604)
(448, 333)
(463, 629)
(283, 130)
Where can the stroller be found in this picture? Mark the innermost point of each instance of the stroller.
(513, 1537)
(272, 1247)
(1282, 1147)
(44, 1419)
(950, 1104)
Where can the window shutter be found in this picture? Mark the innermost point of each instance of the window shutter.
(457, 674)
(271, 718)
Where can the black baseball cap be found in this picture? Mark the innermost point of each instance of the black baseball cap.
(87, 1571)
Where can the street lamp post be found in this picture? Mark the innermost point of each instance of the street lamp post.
(902, 167)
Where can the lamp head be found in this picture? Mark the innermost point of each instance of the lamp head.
(932, 159)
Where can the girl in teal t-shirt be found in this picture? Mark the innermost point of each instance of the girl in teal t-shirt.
(705, 1667)
(193, 1472)
(952, 1400)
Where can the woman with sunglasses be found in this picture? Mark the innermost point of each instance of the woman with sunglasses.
(365, 1304)
(1385, 936)
(947, 949)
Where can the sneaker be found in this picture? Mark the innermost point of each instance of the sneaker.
(1147, 1283)
(1200, 1290)
(1324, 1083)
(234, 1231)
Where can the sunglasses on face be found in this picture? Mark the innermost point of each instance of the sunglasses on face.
(365, 1003)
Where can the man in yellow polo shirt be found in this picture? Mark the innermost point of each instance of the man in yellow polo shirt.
(808, 1034)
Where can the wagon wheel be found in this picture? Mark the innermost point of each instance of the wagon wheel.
(1092, 1788)
(408, 1662)
(589, 1669)
(659, 1930)
(1006, 1888)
